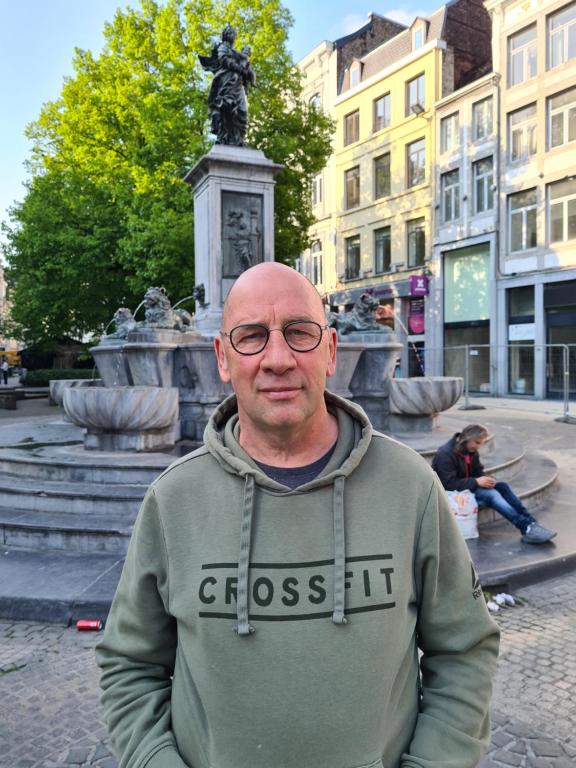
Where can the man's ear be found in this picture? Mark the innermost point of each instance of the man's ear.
(331, 365)
(221, 359)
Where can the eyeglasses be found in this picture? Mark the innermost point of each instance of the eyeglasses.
(300, 335)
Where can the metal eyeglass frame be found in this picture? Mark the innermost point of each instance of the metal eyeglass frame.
(282, 330)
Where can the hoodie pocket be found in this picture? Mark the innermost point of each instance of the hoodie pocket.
(375, 764)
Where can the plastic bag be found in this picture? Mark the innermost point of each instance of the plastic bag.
(465, 509)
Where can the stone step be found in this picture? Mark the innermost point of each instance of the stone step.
(59, 496)
(66, 532)
(533, 485)
(71, 463)
(55, 586)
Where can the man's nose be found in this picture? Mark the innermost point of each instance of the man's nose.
(277, 356)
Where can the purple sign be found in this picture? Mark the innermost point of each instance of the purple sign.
(418, 285)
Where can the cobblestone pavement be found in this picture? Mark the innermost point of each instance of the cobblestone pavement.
(50, 715)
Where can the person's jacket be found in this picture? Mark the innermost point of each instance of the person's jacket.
(454, 473)
(337, 625)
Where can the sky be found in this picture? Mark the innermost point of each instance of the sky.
(38, 37)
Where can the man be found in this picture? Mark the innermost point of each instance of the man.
(458, 466)
(282, 579)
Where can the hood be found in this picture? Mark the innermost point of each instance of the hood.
(221, 438)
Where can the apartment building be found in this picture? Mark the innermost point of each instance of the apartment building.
(534, 51)
(378, 216)
(323, 70)
(465, 245)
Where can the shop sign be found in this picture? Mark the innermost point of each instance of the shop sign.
(418, 285)
(416, 316)
(522, 332)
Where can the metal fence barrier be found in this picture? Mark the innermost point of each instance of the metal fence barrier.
(554, 365)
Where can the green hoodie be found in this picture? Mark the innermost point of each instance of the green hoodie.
(259, 627)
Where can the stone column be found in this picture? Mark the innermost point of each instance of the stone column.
(233, 190)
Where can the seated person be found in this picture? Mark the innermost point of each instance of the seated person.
(458, 466)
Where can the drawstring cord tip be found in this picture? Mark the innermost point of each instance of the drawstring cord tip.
(339, 618)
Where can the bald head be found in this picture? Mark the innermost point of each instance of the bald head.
(268, 282)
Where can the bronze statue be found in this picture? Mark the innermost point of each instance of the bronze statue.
(227, 103)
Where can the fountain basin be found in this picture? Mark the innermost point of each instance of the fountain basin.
(112, 364)
(347, 357)
(424, 396)
(151, 364)
(125, 418)
(416, 403)
(58, 386)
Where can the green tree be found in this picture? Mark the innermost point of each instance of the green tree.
(107, 213)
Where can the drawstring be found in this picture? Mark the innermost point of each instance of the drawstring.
(339, 553)
(244, 627)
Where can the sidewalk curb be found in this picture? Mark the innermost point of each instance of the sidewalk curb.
(531, 573)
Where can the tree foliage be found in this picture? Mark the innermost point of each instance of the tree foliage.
(107, 213)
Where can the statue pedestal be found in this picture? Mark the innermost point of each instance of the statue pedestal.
(233, 190)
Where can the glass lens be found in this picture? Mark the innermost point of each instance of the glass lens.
(303, 335)
(249, 339)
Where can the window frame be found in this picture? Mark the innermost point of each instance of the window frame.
(415, 227)
(410, 182)
(383, 234)
(488, 100)
(317, 189)
(487, 180)
(450, 195)
(527, 128)
(316, 267)
(564, 110)
(524, 211)
(388, 186)
(444, 147)
(563, 201)
(350, 243)
(352, 175)
(421, 77)
(387, 100)
(529, 53)
(565, 31)
(352, 127)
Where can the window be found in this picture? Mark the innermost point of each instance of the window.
(522, 220)
(482, 119)
(522, 56)
(382, 112)
(416, 163)
(562, 36)
(522, 133)
(562, 210)
(316, 265)
(352, 257)
(352, 127)
(450, 183)
(315, 101)
(317, 189)
(416, 242)
(382, 176)
(382, 250)
(354, 75)
(415, 95)
(483, 180)
(352, 184)
(449, 132)
(417, 38)
(562, 118)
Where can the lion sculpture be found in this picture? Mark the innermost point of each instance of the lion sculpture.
(124, 323)
(159, 313)
(361, 318)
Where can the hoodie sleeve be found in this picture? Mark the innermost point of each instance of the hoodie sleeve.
(137, 653)
(459, 643)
